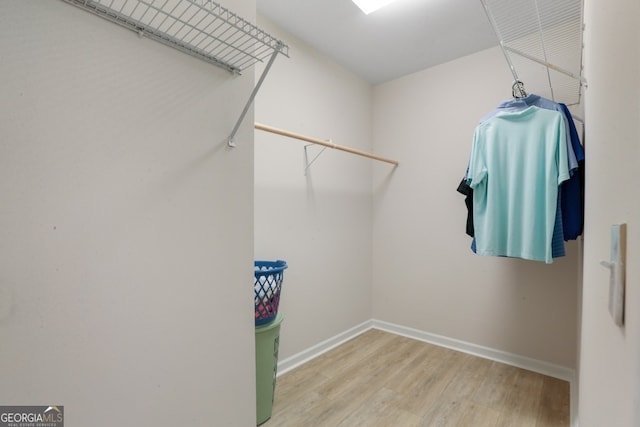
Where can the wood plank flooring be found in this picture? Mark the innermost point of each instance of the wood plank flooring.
(379, 379)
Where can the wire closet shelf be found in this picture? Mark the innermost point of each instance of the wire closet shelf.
(547, 32)
(200, 28)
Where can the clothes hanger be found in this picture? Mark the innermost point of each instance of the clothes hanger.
(517, 89)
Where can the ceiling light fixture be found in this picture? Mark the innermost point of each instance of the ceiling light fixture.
(368, 6)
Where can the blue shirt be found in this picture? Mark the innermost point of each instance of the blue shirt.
(572, 200)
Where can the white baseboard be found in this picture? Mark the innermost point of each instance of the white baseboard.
(304, 356)
(516, 360)
(507, 358)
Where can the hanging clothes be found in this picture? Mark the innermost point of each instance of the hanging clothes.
(520, 103)
(571, 205)
(569, 221)
(518, 160)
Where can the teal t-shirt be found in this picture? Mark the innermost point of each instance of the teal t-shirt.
(518, 160)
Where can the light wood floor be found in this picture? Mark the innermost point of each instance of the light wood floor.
(382, 379)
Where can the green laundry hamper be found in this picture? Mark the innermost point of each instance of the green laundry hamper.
(267, 341)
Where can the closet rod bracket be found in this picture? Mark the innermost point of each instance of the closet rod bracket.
(307, 163)
(278, 49)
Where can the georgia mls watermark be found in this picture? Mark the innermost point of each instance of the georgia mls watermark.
(31, 416)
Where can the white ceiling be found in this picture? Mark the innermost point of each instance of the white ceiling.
(404, 37)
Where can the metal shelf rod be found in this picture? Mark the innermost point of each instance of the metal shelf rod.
(546, 64)
(494, 25)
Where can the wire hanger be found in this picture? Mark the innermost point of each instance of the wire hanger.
(517, 89)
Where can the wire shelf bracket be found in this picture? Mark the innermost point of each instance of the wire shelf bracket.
(231, 140)
(546, 32)
(200, 28)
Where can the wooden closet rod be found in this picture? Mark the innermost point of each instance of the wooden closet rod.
(266, 128)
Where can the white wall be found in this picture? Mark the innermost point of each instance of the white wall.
(319, 223)
(425, 275)
(126, 225)
(610, 356)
